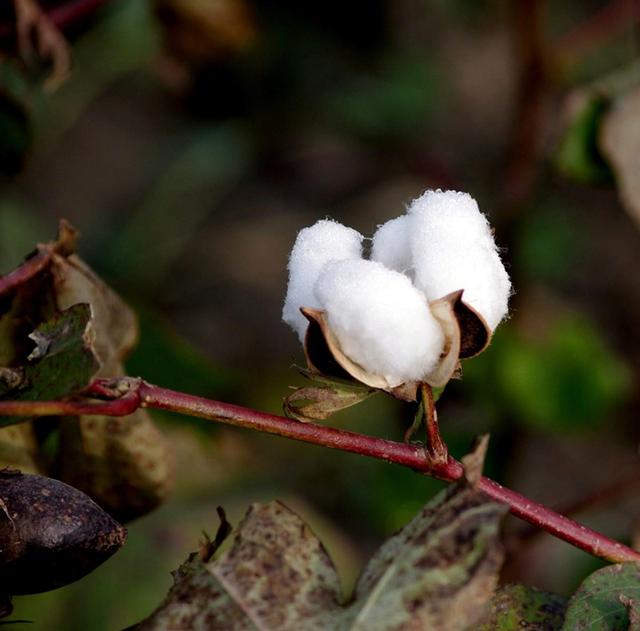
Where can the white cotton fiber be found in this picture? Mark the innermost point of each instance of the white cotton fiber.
(451, 214)
(391, 245)
(326, 240)
(381, 321)
(452, 248)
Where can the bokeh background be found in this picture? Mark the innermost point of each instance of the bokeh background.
(193, 139)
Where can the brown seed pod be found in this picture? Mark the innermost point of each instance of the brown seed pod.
(466, 334)
(51, 534)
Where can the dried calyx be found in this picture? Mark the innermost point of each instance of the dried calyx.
(431, 295)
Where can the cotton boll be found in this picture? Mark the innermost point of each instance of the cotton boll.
(381, 321)
(452, 248)
(326, 240)
(474, 268)
(440, 215)
(391, 244)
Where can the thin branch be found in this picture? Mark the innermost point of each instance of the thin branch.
(122, 406)
(598, 499)
(61, 16)
(527, 134)
(137, 393)
(605, 24)
(25, 272)
(436, 447)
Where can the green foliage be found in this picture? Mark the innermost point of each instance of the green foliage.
(20, 228)
(175, 209)
(63, 361)
(521, 607)
(438, 572)
(578, 155)
(166, 358)
(567, 380)
(550, 245)
(398, 101)
(15, 134)
(606, 601)
(564, 379)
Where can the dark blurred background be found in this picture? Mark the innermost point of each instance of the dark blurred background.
(192, 139)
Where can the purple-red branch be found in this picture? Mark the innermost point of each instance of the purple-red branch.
(62, 16)
(26, 271)
(126, 395)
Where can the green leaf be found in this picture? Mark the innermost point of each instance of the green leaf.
(605, 600)
(437, 573)
(578, 156)
(568, 379)
(521, 607)
(63, 361)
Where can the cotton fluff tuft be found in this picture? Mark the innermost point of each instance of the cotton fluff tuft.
(314, 247)
(381, 321)
(452, 248)
(391, 245)
(450, 214)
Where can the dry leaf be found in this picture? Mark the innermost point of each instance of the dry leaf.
(620, 143)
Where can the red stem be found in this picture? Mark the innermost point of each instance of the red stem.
(62, 16)
(128, 394)
(71, 12)
(601, 26)
(118, 407)
(25, 272)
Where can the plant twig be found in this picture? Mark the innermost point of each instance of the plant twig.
(61, 16)
(596, 500)
(436, 447)
(527, 133)
(606, 23)
(137, 393)
(26, 271)
(121, 406)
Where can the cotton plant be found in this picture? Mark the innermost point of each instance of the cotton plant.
(432, 292)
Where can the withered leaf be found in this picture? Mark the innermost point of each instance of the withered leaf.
(63, 361)
(632, 605)
(122, 463)
(603, 600)
(277, 575)
(318, 404)
(330, 395)
(39, 39)
(620, 143)
(522, 607)
(19, 448)
(437, 573)
(50, 534)
(473, 462)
